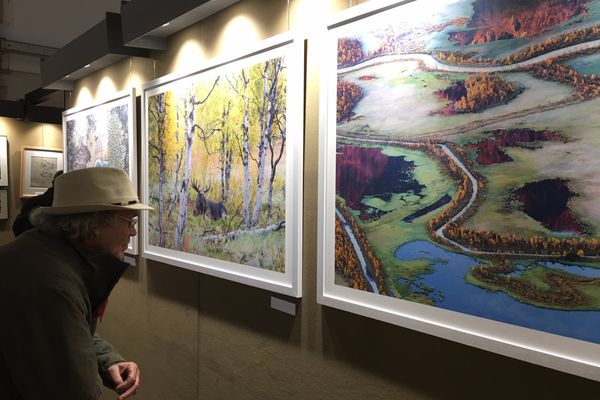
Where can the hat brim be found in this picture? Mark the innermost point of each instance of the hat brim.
(92, 208)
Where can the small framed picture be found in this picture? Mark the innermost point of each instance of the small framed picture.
(3, 204)
(3, 161)
(38, 166)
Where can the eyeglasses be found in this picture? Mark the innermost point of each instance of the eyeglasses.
(130, 221)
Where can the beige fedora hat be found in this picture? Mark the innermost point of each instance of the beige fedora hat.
(93, 189)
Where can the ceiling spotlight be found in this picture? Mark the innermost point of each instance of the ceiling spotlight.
(87, 66)
(166, 24)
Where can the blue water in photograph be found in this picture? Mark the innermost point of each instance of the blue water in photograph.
(587, 65)
(449, 278)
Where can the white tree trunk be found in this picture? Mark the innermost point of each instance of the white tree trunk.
(184, 192)
(268, 102)
(160, 128)
(246, 151)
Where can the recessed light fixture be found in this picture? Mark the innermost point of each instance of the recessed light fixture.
(66, 76)
(87, 66)
(166, 24)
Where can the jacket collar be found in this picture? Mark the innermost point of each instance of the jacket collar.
(103, 272)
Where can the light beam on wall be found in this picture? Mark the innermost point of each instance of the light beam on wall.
(190, 55)
(84, 96)
(106, 88)
(240, 32)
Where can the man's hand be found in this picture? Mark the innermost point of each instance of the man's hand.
(125, 378)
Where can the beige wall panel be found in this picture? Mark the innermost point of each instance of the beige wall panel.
(314, 14)
(249, 351)
(152, 319)
(227, 32)
(19, 134)
(126, 73)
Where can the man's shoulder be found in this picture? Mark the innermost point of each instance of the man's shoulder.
(38, 256)
(27, 241)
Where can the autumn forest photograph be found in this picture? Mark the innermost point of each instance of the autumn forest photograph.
(217, 164)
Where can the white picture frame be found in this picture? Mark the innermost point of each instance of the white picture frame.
(103, 134)
(38, 166)
(563, 353)
(288, 282)
(3, 161)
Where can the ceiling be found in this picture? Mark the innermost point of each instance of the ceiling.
(31, 30)
(51, 23)
(66, 36)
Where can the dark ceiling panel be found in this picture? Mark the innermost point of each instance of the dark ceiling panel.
(144, 20)
(103, 39)
(155, 14)
(12, 109)
(48, 115)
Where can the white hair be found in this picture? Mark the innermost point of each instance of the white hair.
(72, 226)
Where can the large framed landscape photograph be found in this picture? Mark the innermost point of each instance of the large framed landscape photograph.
(222, 167)
(103, 134)
(459, 173)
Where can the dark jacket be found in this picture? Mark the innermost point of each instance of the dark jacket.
(50, 292)
(22, 222)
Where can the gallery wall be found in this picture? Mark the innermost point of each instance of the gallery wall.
(20, 133)
(200, 337)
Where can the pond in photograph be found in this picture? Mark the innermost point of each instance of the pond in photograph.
(458, 295)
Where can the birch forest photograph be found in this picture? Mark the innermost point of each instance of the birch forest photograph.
(217, 164)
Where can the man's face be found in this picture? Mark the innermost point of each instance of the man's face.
(114, 237)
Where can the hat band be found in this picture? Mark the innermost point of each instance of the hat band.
(124, 203)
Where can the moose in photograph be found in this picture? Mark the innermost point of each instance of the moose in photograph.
(205, 206)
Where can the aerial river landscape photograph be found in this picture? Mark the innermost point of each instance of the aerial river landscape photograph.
(467, 162)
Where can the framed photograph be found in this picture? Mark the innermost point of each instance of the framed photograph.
(458, 165)
(3, 203)
(3, 161)
(38, 166)
(103, 134)
(222, 167)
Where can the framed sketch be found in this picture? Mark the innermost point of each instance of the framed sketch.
(222, 167)
(38, 166)
(3, 161)
(3, 203)
(458, 192)
(103, 134)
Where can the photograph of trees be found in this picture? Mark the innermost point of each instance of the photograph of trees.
(99, 135)
(217, 164)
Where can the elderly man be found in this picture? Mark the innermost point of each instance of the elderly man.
(55, 281)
